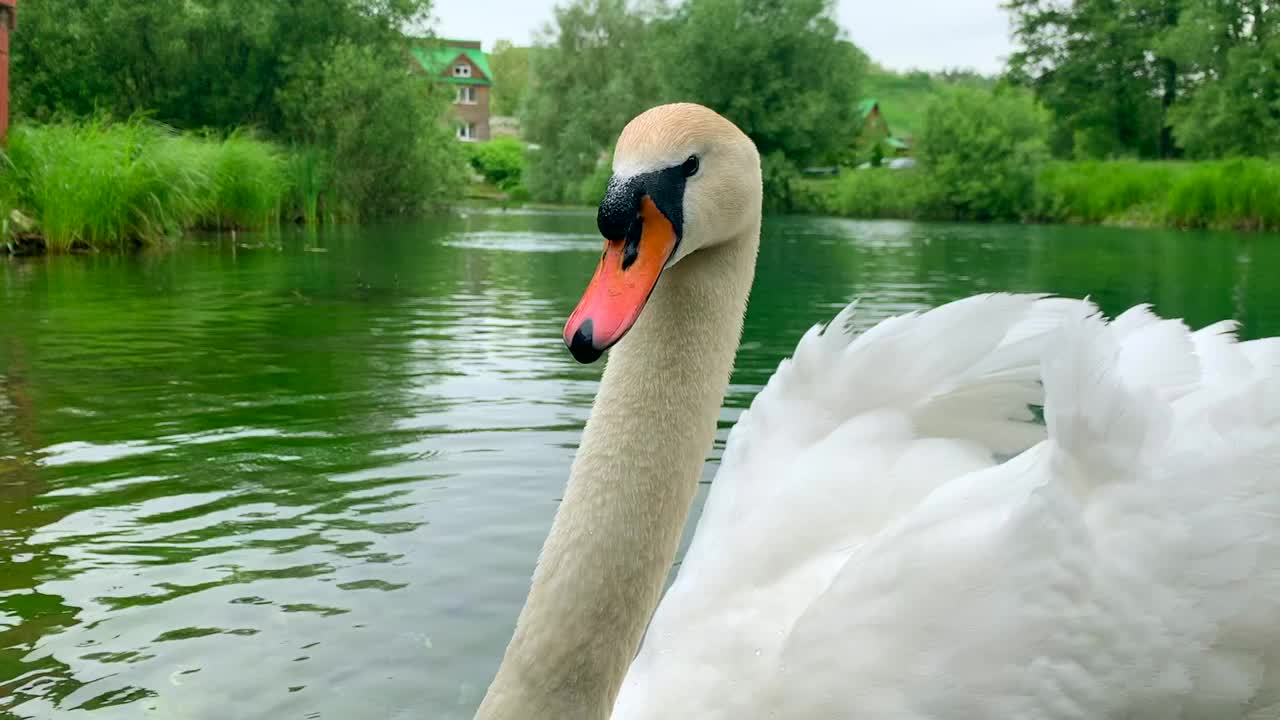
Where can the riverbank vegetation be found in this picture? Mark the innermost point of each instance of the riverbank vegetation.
(1164, 119)
(99, 185)
(253, 114)
(1242, 194)
(165, 116)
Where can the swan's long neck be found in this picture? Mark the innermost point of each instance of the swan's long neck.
(604, 564)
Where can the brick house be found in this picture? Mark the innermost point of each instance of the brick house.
(463, 66)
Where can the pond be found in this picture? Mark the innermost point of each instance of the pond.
(307, 475)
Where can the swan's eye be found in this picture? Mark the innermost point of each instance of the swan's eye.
(690, 166)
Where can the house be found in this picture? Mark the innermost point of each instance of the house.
(463, 66)
(875, 131)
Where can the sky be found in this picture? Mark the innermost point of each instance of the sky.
(902, 35)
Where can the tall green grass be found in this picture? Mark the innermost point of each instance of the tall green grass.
(98, 185)
(1117, 192)
(1226, 194)
(1223, 194)
(250, 183)
(310, 180)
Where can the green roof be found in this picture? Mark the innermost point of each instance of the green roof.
(435, 58)
(866, 106)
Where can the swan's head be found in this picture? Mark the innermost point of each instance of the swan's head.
(684, 179)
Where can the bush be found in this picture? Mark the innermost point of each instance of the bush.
(590, 190)
(877, 193)
(982, 151)
(781, 180)
(500, 161)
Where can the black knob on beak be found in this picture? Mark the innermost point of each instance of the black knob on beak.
(619, 208)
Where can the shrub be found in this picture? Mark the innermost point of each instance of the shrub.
(877, 193)
(982, 151)
(500, 161)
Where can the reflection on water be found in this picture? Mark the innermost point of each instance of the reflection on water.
(265, 481)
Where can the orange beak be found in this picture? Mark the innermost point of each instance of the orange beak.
(628, 271)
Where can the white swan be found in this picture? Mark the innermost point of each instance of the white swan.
(867, 550)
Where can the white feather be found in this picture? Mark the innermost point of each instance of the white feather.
(866, 551)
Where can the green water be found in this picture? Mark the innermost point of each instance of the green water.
(275, 482)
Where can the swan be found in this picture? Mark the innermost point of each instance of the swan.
(891, 533)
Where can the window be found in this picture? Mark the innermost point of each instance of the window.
(467, 131)
(466, 95)
(462, 70)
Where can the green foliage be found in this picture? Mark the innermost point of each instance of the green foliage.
(602, 63)
(904, 96)
(1118, 191)
(213, 63)
(593, 71)
(1238, 194)
(803, 78)
(309, 174)
(501, 161)
(1228, 53)
(389, 152)
(96, 185)
(1153, 78)
(1098, 66)
(590, 191)
(325, 74)
(873, 193)
(510, 65)
(982, 150)
(781, 180)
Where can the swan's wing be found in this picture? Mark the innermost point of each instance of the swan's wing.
(853, 430)
(848, 435)
(1128, 566)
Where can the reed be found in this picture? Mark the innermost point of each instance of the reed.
(97, 185)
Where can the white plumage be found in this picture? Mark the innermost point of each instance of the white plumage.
(891, 534)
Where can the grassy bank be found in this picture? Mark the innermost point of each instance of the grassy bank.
(1227, 194)
(102, 186)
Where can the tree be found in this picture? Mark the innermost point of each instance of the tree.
(1231, 55)
(209, 63)
(780, 69)
(1099, 67)
(381, 125)
(593, 71)
(511, 77)
(982, 151)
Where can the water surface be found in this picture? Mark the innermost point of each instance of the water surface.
(306, 476)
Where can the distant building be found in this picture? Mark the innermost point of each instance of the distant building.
(875, 131)
(462, 65)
